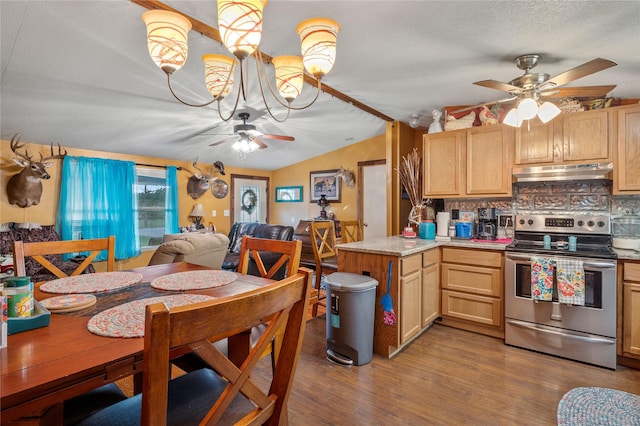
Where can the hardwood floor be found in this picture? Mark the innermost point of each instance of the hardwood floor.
(446, 376)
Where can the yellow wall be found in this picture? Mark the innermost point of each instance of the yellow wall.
(45, 212)
(298, 175)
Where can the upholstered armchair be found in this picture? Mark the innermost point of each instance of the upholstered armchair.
(199, 248)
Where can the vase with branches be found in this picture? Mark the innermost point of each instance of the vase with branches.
(411, 177)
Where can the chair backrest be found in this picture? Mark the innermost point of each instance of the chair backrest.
(195, 325)
(38, 250)
(350, 231)
(256, 247)
(323, 239)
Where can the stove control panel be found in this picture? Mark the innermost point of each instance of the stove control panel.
(580, 224)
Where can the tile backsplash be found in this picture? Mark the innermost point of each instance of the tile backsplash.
(555, 197)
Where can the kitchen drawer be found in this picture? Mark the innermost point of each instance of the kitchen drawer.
(480, 309)
(472, 279)
(410, 264)
(631, 271)
(472, 256)
(430, 257)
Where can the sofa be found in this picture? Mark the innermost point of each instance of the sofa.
(205, 249)
(256, 230)
(30, 233)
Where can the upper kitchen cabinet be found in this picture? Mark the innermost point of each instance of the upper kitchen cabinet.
(468, 163)
(626, 125)
(580, 137)
(443, 161)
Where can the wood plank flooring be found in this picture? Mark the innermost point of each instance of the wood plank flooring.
(446, 377)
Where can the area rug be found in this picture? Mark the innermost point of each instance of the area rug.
(598, 406)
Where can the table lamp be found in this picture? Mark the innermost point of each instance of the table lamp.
(197, 214)
(324, 203)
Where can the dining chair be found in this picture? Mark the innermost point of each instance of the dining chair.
(39, 250)
(223, 392)
(323, 241)
(351, 231)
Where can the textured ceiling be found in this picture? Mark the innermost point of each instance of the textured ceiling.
(78, 73)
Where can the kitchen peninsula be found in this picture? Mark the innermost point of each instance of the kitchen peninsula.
(415, 285)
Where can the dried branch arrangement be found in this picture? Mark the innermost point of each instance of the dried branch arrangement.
(410, 176)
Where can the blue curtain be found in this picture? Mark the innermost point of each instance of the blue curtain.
(97, 199)
(171, 202)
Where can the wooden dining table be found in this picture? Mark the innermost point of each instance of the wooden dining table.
(43, 367)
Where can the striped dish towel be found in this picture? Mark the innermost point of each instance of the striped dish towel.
(542, 278)
(570, 278)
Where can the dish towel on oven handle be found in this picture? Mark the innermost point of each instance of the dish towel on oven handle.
(570, 278)
(542, 278)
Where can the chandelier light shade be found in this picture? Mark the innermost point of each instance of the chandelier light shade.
(289, 76)
(240, 25)
(528, 108)
(548, 112)
(218, 74)
(318, 45)
(244, 146)
(167, 38)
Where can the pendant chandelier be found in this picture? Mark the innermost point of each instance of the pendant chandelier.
(240, 26)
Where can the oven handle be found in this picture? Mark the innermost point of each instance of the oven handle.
(587, 264)
(563, 333)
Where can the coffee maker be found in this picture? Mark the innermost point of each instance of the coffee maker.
(487, 223)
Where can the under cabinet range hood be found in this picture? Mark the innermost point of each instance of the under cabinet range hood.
(563, 172)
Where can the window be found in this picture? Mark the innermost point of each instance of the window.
(151, 190)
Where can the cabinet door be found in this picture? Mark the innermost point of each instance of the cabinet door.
(410, 313)
(627, 161)
(631, 320)
(442, 160)
(430, 294)
(585, 136)
(534, 144)
(488, 164)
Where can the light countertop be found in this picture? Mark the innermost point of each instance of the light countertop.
(400, 246)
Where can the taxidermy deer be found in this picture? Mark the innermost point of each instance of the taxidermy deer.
(347, 176)
(25, 188)
(199, 183)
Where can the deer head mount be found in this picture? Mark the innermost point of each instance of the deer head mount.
(199, 183)
(348, 177)
(25, 188)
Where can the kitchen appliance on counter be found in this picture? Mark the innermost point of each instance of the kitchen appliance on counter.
(584, 331)
(626, 232)
(487, 223)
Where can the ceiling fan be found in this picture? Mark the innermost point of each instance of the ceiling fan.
(246, 134)
(540, 85)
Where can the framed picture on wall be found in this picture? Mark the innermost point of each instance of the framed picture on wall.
(324, 182)
(288, 194)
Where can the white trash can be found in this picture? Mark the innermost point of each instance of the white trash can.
(351, 300)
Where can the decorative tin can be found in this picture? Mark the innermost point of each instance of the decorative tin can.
(19, 295)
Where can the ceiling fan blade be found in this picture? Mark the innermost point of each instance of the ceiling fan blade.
(578, 92)
(580, 71)
(500, 101)
(279, 137)
(498, 85)
(257, 140)
(225, 140)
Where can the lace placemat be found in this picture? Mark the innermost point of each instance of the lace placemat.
(127, 320)
(68, 302)
(194, 280)
(92, 283)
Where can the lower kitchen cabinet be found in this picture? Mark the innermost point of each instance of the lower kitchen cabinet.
(472, 290)
(631, 310)
(414, 289)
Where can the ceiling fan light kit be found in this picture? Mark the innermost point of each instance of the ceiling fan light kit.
(240, 26)
(530, 87)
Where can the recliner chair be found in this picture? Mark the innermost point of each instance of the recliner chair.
(201, 249)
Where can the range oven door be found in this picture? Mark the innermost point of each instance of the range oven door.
(598, 316)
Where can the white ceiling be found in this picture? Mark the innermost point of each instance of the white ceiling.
(78, 73)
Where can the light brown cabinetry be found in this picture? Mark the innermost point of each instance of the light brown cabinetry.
(626, 122)
(580, 137)
(415, 291)
(472, 290)
(470, 162)
(631, 310)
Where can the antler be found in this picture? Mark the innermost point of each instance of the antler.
(15, 145)
(60, 154)
(195, 166)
